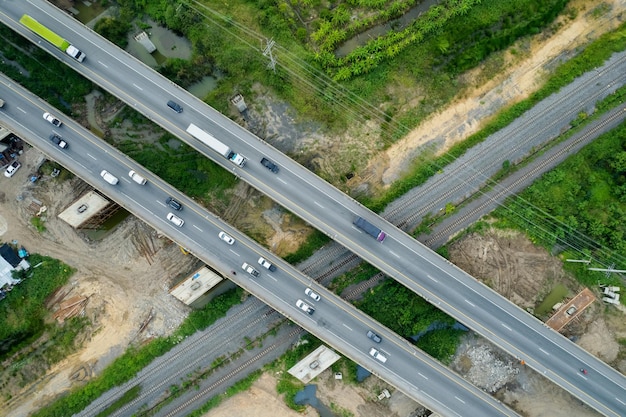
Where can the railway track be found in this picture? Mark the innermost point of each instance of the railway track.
(403, 214)
(518, 182)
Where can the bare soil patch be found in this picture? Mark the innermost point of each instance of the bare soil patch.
(261, 400)
(520, 73)
(122, 281)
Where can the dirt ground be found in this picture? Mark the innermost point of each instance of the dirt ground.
(517, 79)
(125, 285)
(509, 263)
(123, 282)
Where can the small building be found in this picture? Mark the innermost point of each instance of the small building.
(143, 39)
(200, 287)
(9, 262)
(314, 364)
(89, 211)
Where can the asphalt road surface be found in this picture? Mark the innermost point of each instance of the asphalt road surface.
(334, 320)
(300, 191)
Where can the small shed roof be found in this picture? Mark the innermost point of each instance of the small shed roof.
(196, 285)
(93, 203)
(323, 355)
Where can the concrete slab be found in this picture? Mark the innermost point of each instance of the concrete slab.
(314, 364)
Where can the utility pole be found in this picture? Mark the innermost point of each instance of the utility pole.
(268, 53)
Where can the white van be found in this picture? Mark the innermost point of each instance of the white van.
(375, 353)
(176, 220)
(137, 178)
(108, 177)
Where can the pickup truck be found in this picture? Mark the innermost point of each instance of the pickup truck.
(269, 165)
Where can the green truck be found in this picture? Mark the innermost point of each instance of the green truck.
(52, 37)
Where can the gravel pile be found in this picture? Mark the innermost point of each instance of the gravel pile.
(488, 371)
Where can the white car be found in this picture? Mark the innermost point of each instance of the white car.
(249, 269)
(226, 238)
(312, 294)
(12, 169)
(377, 355)
(108, 177)
(266, 264)
(50, 118)
(176, 220)
(58, 140)
(305, 307)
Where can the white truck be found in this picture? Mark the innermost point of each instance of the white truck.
(52, 37)
(216, 145)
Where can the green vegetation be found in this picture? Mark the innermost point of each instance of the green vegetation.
(38, 222)
(128, 396)
(238, 387)
(592, 57)
(585, 195)
(46, 77)
(183, 167)
(315, 241)
(409, 315)
(23, 311)
(136, 358)
(558, 294)
(361, 273)
(115, 30)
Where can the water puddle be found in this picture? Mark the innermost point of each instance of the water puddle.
(307, 396)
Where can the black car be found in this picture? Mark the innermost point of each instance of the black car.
(174, 106)
(269, 165)
(376, 338)
(58, 140)
(173, 203)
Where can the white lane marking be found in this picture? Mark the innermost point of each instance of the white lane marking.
(472, 304)
(432, 278)
(616, 397)
(22, 110)
(136, 86)
(423, 376)
(92, 157)
(235, 252)
(161, 203)
(459, 399)
(506, 327)
(103, 64)
(273, 278)
(344, 325)
(281, 180)
(197, 227)
(544, 351)
(394, 254)
(318, 204)
(585, 378)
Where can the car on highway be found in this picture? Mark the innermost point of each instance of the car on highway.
(137, 178)
(376, 338)
(266, 264)
(269, 165)
(375, 353)
(108, 177)
(58, 140)
(305, 307)
(312, 294)
(175, 106)
(176, 220)
(173, 203)
(50, 118)
(249, 269)
(226, 238)
(12, 169)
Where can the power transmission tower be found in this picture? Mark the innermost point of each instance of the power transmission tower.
(268, 53)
